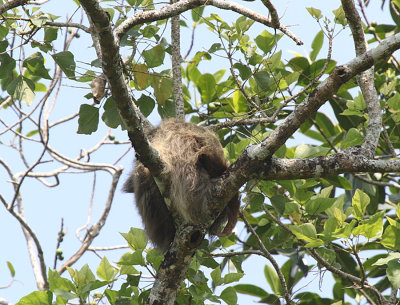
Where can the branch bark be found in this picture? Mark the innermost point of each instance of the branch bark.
(365, 80)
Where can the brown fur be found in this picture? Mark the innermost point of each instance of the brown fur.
(192, 158)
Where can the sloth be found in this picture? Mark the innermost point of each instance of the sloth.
(192, 158)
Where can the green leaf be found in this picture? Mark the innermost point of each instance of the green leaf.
(239, 102)
(340, 17)
(207, 87)
(391, 238)
(316, 13)
(65, 295)
(58, 282)
(372, 227)
(136, 238)
(232, 277)
(65, 60)
(317, 45)
(353, 137)
(163, 88)
(21, 89)
(11, 268)
(251, 290)
(272, 279)
(7, 65)
(82, 277)
(319, 205)
(3, 32)
(106, 271)
(35, 65)
(393, 273)
(388, 258)
(111, 115)
(216, 276)
(88, 119)
(155, 56)
(37, 298)
(141, 76)
(135, 258)
(266, 41)
(394, 102)
(244, 71)
(50, 34)
(360, 202)
(197, 13)
(307, 151)
(263, 80)
(229, 296)
(146, 104)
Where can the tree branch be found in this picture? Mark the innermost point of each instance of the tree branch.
(176, 66)
(365, 80)
(185, 5)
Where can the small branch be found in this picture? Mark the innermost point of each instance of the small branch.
(12, 4)
(95, 229)
(269, 256)
(41, 274)
(185, 5)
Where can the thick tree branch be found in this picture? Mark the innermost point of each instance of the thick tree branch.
(365, 80)
(344, 162)
(185, 5)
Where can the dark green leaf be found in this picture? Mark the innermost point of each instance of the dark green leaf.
(66, 62)
(155, 56)
(229, 296)
(111, 115)
(35, 65)
(88, 119)
(197, 13)
(266, 41)
(21, 89)
(146, 104)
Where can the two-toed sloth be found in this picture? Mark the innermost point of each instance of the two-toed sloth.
(192, 159)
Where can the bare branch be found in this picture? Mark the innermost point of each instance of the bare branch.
(269, 256)
(95, 229)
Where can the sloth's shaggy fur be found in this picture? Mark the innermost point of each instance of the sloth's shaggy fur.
(192, 158)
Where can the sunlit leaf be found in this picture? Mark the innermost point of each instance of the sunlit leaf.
(106, 271)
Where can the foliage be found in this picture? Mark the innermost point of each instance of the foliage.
(349, 224)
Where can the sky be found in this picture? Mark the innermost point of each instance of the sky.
(44, 207)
